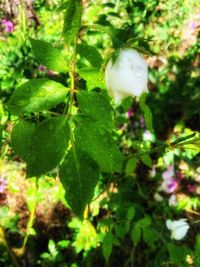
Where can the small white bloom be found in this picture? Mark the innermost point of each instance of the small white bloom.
(173, 201)
(128, 76)
(158, 197)
(178, 228)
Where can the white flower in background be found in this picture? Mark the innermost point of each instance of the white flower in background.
(128, 76)
(173, 201)
(178, 228)
(158, 197)
(148, 136)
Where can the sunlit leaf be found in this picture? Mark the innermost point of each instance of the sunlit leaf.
(48, 55)
(72, 21)
(36, 95)
(93, 76)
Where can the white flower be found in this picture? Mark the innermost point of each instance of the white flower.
(178, 228)
(128, 76)
(158, 197)
(173, 201)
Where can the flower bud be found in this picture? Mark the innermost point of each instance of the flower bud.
(127, 76)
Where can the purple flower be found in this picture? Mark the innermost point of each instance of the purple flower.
(169, 186)
(172, 185)
(9, 27)
(192, 25)
(3, 184)
(191, 188)
(130, 112)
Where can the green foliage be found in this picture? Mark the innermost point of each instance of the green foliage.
(147, 112)
(93, 77)
(79, 175)
(99, 145)
(91, 54)
(33, 142)
(101, 112)
(131, 165)
(36, 95)
(72, 21)
(107, 245)
(50, 56)
(146, 159)
(178, 255)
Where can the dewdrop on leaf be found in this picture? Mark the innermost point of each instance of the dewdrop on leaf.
(128, 76)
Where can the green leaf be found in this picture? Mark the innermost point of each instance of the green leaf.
(136, 233)
(72, 21)
(91, 54)
(145, 222)
(149, 236)
(197, 250)
(130, 213)
(41, 146)
(93, 76)
(178, 255)
(131, 165)
(120, 231)
(36, 95)
(79, 176)
(107, 245)
(48, 55)
(147, 112)
(99, 144)
(101, 112)
(21, 139)
(146, 159)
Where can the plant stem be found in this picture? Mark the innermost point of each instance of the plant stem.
(5, 242)
(31, 219)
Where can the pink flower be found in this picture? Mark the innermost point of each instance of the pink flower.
(41, 68)
(191, 188)
(130, 112)
(9, 27)
(169, 173)
(169, 185)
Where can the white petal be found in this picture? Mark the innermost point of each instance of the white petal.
(128, 76)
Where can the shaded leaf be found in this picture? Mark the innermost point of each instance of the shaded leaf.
(79, 176)
(107, 245)
(146, 159)
(36, 95)
(48, 55)
(131, 165)
(130, 213)
(136, 233)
